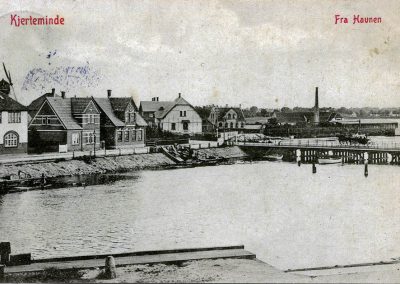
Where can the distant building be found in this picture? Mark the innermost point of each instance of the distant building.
(74, 122)
(176, 116)
(13, 123)
(227, 118)
(121, 125)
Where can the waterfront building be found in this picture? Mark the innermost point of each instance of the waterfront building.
(13, 123)
(177, 116)
(65, 124)
(227, 118)
(121, 125)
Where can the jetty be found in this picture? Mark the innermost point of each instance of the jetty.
(308, 150)
(174, 256)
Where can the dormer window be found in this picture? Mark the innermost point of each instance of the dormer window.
(161, 108)
(130, 116)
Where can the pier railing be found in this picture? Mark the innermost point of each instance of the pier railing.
(327, 144)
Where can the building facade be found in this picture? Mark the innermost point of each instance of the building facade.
(227, 118)
(13, 126)
(176, 116)
(73, 123)
(121, 123)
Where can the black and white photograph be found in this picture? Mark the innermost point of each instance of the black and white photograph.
(199, 141)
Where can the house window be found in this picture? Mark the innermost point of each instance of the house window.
(14, 117)
(234, 116)
(185, 126)
(90, 118)
(139, 135)
(130, 116)
(75, 139)
(88, 138)
(226, 124)
(220, 124)
(133, 135)
(126, 136)
(242, 125)
(151, 114)
(173, 126)
(229, 116)
(11, 139)
(182, 113)
(231, 124)
(119, 136)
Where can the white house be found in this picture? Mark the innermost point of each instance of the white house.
(176, 116)
(13, 126)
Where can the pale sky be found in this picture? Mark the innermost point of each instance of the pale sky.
(264, 53)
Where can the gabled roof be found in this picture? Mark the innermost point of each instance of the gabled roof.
(37, 103)
(120, 104)
(105, 105)
(8, 104)
(162, 108)
(63, 109)
(223, 110)
(78, 105)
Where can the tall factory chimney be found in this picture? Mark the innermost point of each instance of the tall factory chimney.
(316, 108)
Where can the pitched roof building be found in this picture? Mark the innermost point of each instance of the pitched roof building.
(177, 116)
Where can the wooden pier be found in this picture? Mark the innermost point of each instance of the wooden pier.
(353, 154)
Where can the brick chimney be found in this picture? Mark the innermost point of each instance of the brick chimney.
(316, 107)
(63, 94)
(108, 93)
(179, 94)
(53, 91)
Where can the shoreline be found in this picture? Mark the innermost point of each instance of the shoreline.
(27, 176)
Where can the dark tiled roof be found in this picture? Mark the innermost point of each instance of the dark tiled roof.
(78, 105)
(63, 109)
(8, 104)
(120, 104)
(107, 107)
(37, 103)
(303, 116)
(257, 120)
(223, 110)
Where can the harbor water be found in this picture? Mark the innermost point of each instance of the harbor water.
(283, 213)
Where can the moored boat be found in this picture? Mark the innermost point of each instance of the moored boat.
(273, 157)
(329, 160)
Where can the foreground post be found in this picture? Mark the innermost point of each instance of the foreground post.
(1, 271)
(314, 168)
(5, 250)
(110, 270)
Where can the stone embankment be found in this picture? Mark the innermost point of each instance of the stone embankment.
(81, 167)
(224, 152)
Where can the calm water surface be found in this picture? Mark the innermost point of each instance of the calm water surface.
(288, 216)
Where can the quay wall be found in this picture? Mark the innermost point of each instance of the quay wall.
(86, 167)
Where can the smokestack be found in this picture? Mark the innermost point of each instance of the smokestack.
(316, 108)
(53, 91)
(63, 94)
(108, 93)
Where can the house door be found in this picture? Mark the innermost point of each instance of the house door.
(185, 126)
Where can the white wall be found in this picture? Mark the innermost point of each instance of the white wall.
(20, 128)
(195, 124)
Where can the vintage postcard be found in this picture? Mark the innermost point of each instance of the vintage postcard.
(200, 141)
